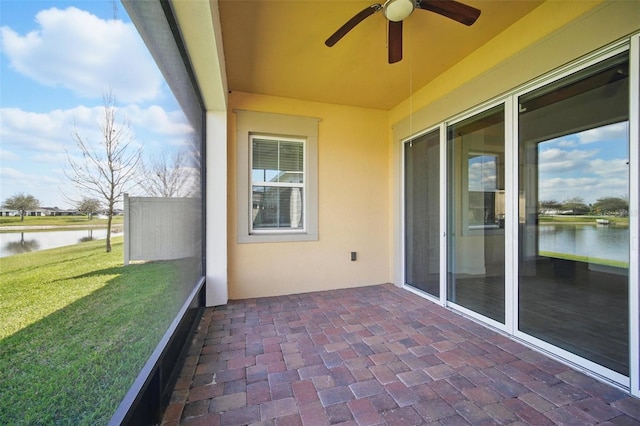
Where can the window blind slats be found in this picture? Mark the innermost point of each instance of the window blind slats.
(291, 156)
(265, 155)
(277, 184)
(277, 161)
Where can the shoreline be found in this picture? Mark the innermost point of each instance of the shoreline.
(48, 227)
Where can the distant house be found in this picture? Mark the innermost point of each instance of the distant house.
(37, 212)
(55, 211)
(8, 212)
(103, 214)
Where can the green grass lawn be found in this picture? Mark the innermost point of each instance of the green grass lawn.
(76, 327)
(586, 259)
(60, 221)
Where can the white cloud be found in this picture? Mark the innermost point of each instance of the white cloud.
(590, 190)
(482, 175)
(77, 50)
(561, 189)
(172, 123)
(610, 168)
(6, 155)
(54, 159)
(566, 174)
(615, 131)
(10, 173)
(555, 160)
(52, 131)
(566, 143)
(31, 131)
(569, 183)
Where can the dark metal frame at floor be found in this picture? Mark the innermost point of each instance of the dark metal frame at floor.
(146, 400)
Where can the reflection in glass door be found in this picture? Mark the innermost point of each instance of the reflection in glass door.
(476, 214)
(574, 214)
(422, 213)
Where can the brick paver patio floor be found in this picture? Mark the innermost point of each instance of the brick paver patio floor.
(376, 355)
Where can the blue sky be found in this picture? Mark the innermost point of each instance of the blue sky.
(589, 165)
(592, 164)
(58, 59)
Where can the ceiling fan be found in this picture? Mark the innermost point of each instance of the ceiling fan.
(397, 10)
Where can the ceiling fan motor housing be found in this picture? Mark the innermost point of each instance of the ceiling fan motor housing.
(397, 10)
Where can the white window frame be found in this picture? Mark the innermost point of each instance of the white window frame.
(634, 206)
(263, 183)
(285, 127)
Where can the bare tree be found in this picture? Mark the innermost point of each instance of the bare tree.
(195, 150)
(108, 166)
(168, 175)
(22, 203)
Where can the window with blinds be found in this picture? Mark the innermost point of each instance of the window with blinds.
(277, 183)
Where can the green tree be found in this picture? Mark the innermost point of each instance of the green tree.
(549, 205)
(576, 205)
(611, 205)
(22, 203)
(89, 206)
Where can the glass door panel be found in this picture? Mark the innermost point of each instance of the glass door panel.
(476, 212)
(422, 213)
(573, 214)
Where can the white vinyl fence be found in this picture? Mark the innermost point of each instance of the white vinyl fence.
(159, 228)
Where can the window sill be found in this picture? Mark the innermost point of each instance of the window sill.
(277, 237)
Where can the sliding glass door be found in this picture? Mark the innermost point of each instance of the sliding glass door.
(476, 214)
(541, 195)
(574, 213)
(422, 213)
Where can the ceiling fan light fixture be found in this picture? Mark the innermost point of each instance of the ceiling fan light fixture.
(397, 10)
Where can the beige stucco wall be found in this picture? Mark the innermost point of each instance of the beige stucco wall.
(353, 169)
(360, 166)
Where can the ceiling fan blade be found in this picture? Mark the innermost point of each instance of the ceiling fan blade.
(348, 26)
(395, 42)
(451, 9)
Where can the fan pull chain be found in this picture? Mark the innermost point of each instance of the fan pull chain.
(410, 51)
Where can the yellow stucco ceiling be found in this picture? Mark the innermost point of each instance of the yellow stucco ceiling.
(276, 47)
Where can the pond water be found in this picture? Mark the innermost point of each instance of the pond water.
(602, 242)
(22, 242)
